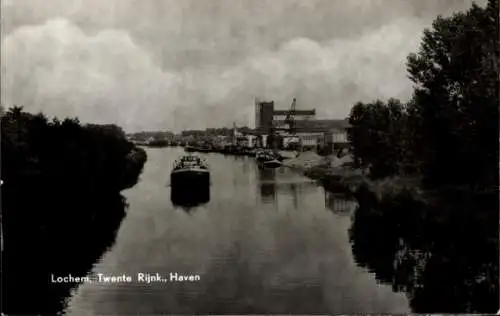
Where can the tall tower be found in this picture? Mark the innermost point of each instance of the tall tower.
(263, 115)
(257, 113)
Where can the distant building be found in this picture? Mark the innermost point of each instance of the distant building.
(334, 132)
(310, 140)
(308, 130)
(267, 117)
(264, 116)
(246, 141)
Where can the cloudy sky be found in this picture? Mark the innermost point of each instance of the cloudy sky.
(179, 64)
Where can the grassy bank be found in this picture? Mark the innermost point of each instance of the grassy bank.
(61, 203)
(337, 174)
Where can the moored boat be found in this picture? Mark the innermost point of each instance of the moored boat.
(268, 159)
(261, 156)
(251, 152)
(204, 149)
(274, 163)
(265, 155)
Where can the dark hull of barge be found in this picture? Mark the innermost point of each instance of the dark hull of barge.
(189, 180)
(190, 188)
(190, 197)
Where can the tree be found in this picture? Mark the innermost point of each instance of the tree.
(376, 136)
(455, 103)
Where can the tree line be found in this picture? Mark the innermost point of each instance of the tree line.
(61, 202)
(91, 158)
(448, 132)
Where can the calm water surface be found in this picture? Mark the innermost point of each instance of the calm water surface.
(268, 241)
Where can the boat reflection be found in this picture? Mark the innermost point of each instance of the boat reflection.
(189, 199)
(292, 188)
(267, 184)
(339, 203)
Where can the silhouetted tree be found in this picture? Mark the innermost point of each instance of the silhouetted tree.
(443, 253)
(60, 202)
(448, 132)
(456, 98)
(376, 136)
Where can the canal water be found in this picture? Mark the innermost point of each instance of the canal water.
(268, 241)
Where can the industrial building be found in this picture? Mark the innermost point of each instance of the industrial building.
(299, 126)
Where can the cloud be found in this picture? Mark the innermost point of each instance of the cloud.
(58, 69)
(108, 77)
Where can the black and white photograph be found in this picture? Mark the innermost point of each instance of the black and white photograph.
(249, 157)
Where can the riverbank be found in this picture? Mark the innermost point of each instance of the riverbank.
(337, 174)
(333, 172)
(61, 203)
(447, 236)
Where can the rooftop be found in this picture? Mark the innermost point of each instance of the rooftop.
(320, 125)
(297, 112)
(314, 126)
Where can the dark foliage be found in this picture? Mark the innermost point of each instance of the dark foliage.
(455, 106)
(157, 143)
(448, 132)
(61, 203)
(377, 136)
(443, 254)
(444, 257)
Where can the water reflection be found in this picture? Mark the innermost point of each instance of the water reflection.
(248, 288)
(247, 165)
(56, 249)
(283, 184)
(445, 257)
(339, 203)
(252, 258)
(293, 189)
(190, 199)
(267, 184)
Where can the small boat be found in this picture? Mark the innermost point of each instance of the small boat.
(189, 172)
(266, 155)
(274, 163)
(250, 152)
(204, 149)
(262, 155)
(189, 148)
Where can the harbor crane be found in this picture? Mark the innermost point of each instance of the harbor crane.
(290, 120)
(290, 117)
